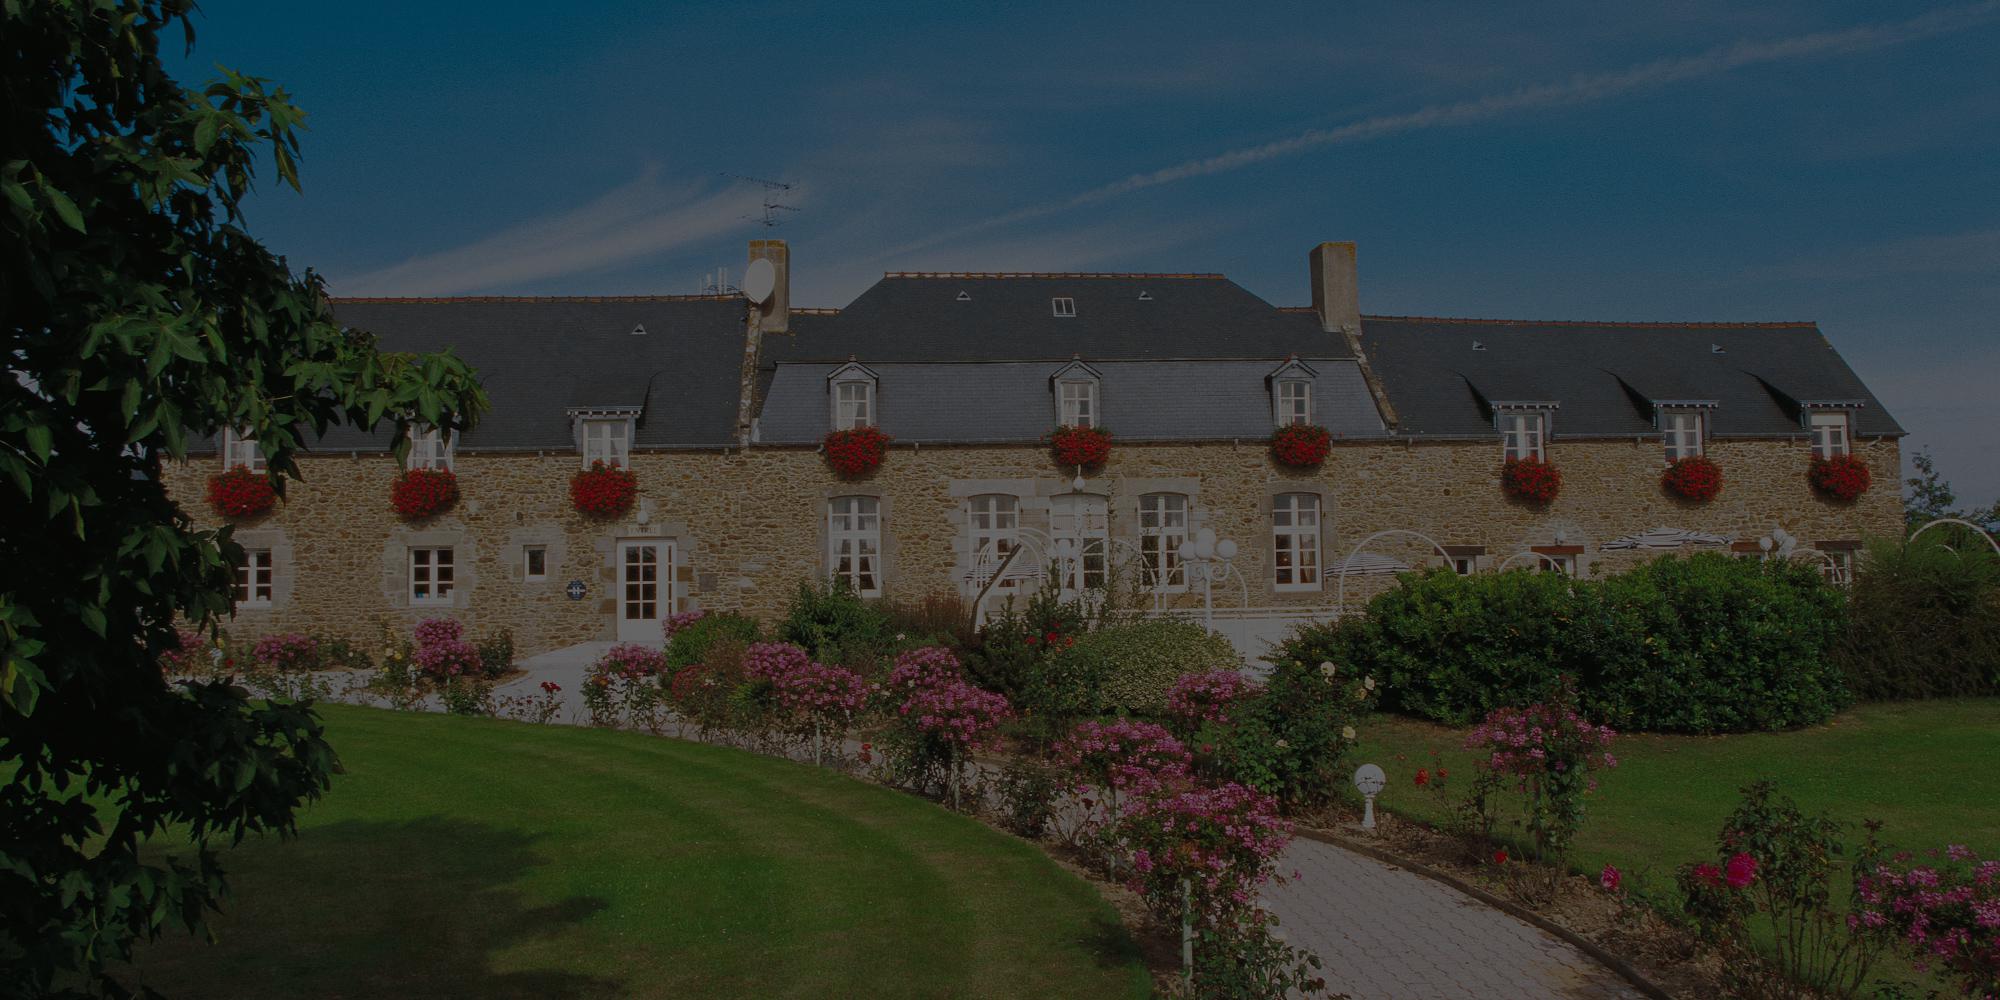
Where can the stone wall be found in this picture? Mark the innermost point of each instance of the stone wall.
(747, 526)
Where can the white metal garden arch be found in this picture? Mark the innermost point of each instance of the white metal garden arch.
(1340, 602)
(1961, 522)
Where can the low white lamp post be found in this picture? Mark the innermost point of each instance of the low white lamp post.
(1369, 780)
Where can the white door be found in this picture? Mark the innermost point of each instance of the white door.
(645, 589)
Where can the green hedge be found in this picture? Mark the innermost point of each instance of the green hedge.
(1925, 621)
(1699, 644)
(1131, 666)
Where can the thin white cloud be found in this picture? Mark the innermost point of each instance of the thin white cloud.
(645, 216)
(1578, 90)
(1973, 252)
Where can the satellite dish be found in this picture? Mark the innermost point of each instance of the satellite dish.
(760, 280)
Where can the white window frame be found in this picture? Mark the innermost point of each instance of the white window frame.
(1832, 433)
(1292, 402)
(1523, 435)
(433, 570)
(429, 449)
(1063, 307)
(528, 554)
(241, 449)
(1295, 550)
(1549, 562)
(1683, 433)
(254, 579)
(1465, 565)
(1163, 526)
(607, 440)
(993, 524)
(854, 543)
(1076, 403)
(853, 404)
(1080, 530)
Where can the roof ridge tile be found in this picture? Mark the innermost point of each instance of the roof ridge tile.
(449, 299)
(1048, 274)
(1619, 324)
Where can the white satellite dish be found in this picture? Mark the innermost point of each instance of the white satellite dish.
(760, 280)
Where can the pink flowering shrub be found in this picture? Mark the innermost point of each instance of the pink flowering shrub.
(767, 661)
(436, 630)
(442, 652)
(630, 660)
(675, 623)
(1550, 751)
(189, 655)
(1205, 697)
(921, 668)
(936, 730)
(1124, 758)
(819, 701)
(1944, 914)
(286, 651)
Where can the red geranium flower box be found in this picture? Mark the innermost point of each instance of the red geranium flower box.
(857, 451)
(1696, 478)
(1842, 477)
(422, 493)
(241, 493)
(603, 490)
(1301, 446)
(1531, 479)
(1086, 446)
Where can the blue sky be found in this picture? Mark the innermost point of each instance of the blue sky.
(1831, 161)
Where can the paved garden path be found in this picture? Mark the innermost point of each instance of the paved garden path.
(1383, 933)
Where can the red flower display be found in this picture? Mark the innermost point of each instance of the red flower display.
(856, 452)
(1531, 479)
(1842, 477)
(241, 493)
(422, 493)
(603, 490)
(1086, 446)
(1301, 446)
(1697, 478)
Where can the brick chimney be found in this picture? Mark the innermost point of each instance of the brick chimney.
(773, 315)
(1336, 295)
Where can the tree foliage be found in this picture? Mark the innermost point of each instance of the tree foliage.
(137, 317)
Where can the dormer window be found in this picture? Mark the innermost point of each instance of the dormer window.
(1075, 386)
(1522, 435)
(851, 389)
(1291, 393)
(429, 449)
(1684, 433)
(1831, 432)
(241, 449)
(607, 440)
(1063, 307)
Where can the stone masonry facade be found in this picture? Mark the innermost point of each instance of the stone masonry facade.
(747, 525)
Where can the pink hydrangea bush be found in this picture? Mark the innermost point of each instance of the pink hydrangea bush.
(1549, 750)
(1945, 914)
(286, 651)
(1205, 697)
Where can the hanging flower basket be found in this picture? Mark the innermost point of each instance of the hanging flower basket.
(1301, 446)
(1089, 447)
(856, 452)
(1531, 479)
(1696, 478)
(422, 493)
(603, 490)
(240, 493)
(1842, 477)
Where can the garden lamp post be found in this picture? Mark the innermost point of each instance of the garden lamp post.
(1206, 558)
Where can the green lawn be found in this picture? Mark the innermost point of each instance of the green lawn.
(1929, 770)
(478, 858)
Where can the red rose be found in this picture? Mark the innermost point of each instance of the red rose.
(1500, 856)
(1423, 777)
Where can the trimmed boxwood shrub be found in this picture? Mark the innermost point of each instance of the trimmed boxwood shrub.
(1699, 644)
(1925, 622)
(1131, 666)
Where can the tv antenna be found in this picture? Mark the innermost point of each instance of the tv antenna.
(772, 191)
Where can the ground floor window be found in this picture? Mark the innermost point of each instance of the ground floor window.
(994, 520)
(431, 575)
(854, 543)
(1080, 527)
(253, 579)
(1295, 541)
(1163, 526)
(535, 562)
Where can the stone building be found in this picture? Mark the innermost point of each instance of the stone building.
(720, 405)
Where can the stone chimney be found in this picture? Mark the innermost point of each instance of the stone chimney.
(773, 315)
(1336, 296)
(776, 312)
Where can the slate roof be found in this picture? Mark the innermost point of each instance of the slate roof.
(971, 402)
(538, 357)
(1606, 375)
(918, 317)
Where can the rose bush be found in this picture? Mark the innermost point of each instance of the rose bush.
(1550, 750)
(1946, 912)
(288, 651)
(1206, 696)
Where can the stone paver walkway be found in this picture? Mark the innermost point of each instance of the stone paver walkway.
(568, 667)
(1383, 933)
